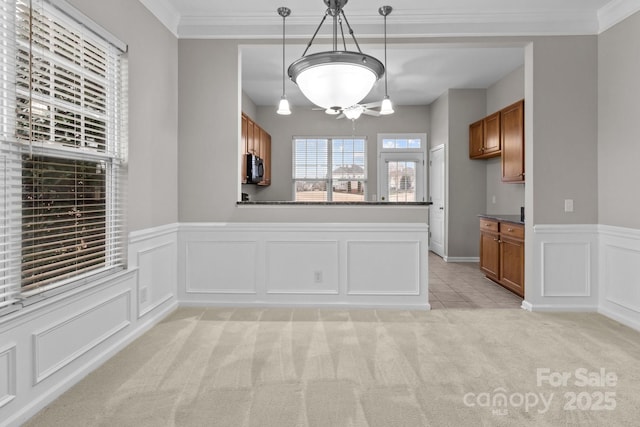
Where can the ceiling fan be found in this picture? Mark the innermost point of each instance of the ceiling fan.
(355, 111)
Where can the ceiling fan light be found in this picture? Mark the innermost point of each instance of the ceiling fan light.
(354, 112)
(283, 107)
(387, 107)
(336, 79)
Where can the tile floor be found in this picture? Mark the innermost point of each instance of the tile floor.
(462, 285)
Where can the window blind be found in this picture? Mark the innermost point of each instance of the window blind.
(63, 150)
(329, 169)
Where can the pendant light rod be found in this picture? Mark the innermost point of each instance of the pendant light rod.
(284, 12)
(384, 11)
(283, 107)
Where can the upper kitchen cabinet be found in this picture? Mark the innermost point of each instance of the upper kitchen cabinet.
(484, 137)
(501, 134)
(512, 135)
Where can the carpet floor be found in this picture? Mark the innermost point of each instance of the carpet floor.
(317, 367)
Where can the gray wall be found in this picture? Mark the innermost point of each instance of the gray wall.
(466, 177)
(209, 159)
(306, 122)
(561, 130)
(153, 108)
(619, 124)
(503, 198)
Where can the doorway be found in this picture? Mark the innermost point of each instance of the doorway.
(437, 216)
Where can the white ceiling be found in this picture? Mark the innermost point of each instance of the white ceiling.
(418, 72)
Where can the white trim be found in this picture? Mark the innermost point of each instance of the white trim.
(40, 374)
(461, 259)
(152, 233)
(164, 11)
(560, 307)
(615, 12)
(9, 379)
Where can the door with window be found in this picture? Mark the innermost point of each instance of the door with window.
(401, 167)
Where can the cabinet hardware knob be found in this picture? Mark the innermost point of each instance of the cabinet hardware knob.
(509, 229)
(496, 240)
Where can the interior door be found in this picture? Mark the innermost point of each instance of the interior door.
(436, 196)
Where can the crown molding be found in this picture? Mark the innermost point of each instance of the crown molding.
(405, 23)
(616, 11)
(409, 23)
(165, 13)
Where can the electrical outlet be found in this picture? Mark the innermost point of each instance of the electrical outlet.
(143, 295)
(317, 276)
(568, 205)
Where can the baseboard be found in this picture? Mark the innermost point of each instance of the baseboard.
(332, 305)
(461, 259)
(53, 393)
(619, 317)
(560, 307)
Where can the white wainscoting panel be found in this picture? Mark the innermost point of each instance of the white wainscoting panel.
(298, 264)
(106, 319)
(291, 272)
(153, 253)
(565, 268)
(620, 274)
(7, 374)
(383, 268)
(223, 267)
(58, 340)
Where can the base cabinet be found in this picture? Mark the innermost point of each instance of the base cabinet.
(502, 253)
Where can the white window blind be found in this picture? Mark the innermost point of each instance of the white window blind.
(63, 153)
(329, 169)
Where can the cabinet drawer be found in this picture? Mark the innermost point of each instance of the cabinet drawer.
(488, 225)
(512, 230)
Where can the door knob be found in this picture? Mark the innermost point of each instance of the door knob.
(441, 208)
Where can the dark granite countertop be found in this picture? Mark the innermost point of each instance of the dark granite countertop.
(290, 203)
(515, 219)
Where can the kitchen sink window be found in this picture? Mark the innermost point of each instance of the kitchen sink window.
(63, 151)
(329, 169)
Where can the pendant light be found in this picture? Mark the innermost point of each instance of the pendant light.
(283, 106)
(386, 107)
(336, 79)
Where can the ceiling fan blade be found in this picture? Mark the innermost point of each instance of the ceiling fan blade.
(372, 104)
(373, 113)
(340, 116)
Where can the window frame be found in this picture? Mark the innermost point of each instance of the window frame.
(60, 14)
(329, 180)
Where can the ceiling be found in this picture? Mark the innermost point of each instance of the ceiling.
(417, 72)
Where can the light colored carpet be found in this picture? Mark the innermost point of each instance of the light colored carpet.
(309, 367)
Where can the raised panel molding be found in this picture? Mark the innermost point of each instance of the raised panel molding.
(302, 267)
(304, 264)
(622, 276)
(156, 278)
(369, 271)
(8, 374)
(566, 269)
(220, 266)
(54, 347)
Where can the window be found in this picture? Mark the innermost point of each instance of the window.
(63, 149)
(329, 169)
(401, 167)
